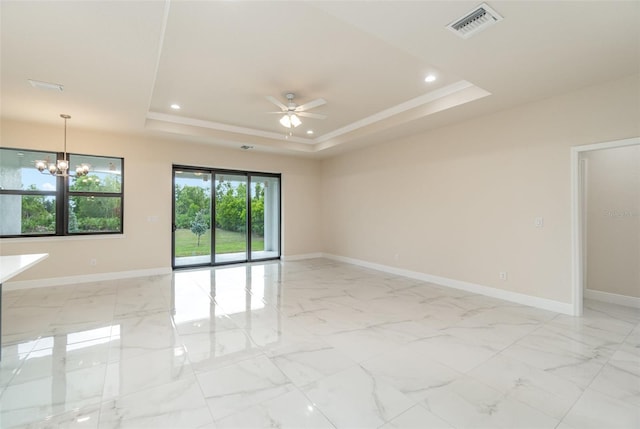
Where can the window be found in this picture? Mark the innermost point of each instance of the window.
(95, 200)
(39, 204)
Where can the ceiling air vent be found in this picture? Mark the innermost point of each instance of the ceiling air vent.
(477, 20)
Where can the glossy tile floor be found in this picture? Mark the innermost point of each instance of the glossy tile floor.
(309, 344)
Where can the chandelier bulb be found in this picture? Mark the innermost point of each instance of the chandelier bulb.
(61, 166)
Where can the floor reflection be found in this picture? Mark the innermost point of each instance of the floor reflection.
(152, 330)
(312, 343)
(224, 311)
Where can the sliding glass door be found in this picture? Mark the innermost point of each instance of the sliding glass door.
(224, 216)
(265, 217)
(231, 218)
(191, 217)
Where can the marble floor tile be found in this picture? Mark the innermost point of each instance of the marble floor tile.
(11, 297)
(53, 297)
(467, 403)
(240, 385)
(138, 335)
(13, 357)
(595, 410)
(409, 371)
(459, 354)
(596, 330)
(499, 327)
(89, 309)
(417, 417)
(540, 389)
(23, 323)
(353, 398)
(79, 418)
(632, 342)
(558, 353)
(61, 359)
(212, 350)
(177, 404)
(311, 362)
(608, 311)
(364, 343)
(620, 378)
(291, 410)
(313, 343)
(137, 373)
(58, 393)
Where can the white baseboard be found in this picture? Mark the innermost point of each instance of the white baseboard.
(61, 281)
(543, 303)
(612, 298)
(519, 298)
(302, 256)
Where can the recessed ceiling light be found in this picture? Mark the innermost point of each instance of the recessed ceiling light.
(430, 78)
(309, 132)
(175, 106)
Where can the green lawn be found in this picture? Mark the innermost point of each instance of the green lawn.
(226, 242)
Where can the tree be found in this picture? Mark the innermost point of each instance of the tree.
(231, 207)
(73, 221)
(199, 225)
(94, 213)
(257, 211)
(190, 200)
(38, 213)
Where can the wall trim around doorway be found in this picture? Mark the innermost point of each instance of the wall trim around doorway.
(577, 221)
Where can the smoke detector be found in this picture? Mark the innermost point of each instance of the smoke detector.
(475, 21)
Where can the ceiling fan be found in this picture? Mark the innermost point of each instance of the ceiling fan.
(292, 111)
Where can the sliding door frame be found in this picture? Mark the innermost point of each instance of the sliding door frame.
(221, 171)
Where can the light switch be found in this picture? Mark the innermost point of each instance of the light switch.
(539, 222)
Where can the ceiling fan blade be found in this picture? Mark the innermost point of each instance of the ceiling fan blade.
(310, 105)
(311, 115)
(275, 113)
(277, 103)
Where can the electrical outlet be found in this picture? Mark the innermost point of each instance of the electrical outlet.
(538, 222)
(502, 275)
(93, 262)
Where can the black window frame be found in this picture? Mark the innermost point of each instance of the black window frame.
(213, 171)
(63, 196)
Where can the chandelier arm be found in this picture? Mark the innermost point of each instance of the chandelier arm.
(61, 166)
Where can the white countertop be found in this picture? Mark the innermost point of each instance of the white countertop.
(13, 265)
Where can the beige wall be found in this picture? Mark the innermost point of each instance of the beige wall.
(613, 220)
(460, 202)
(148, 183)
(457, 202)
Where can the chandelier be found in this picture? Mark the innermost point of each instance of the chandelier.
(61, 166)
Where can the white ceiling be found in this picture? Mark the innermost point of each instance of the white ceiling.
(123, 63)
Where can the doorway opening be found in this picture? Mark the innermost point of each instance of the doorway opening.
(579, 170)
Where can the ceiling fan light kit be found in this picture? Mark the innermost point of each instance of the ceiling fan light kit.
(290, 120)
(292, 112)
